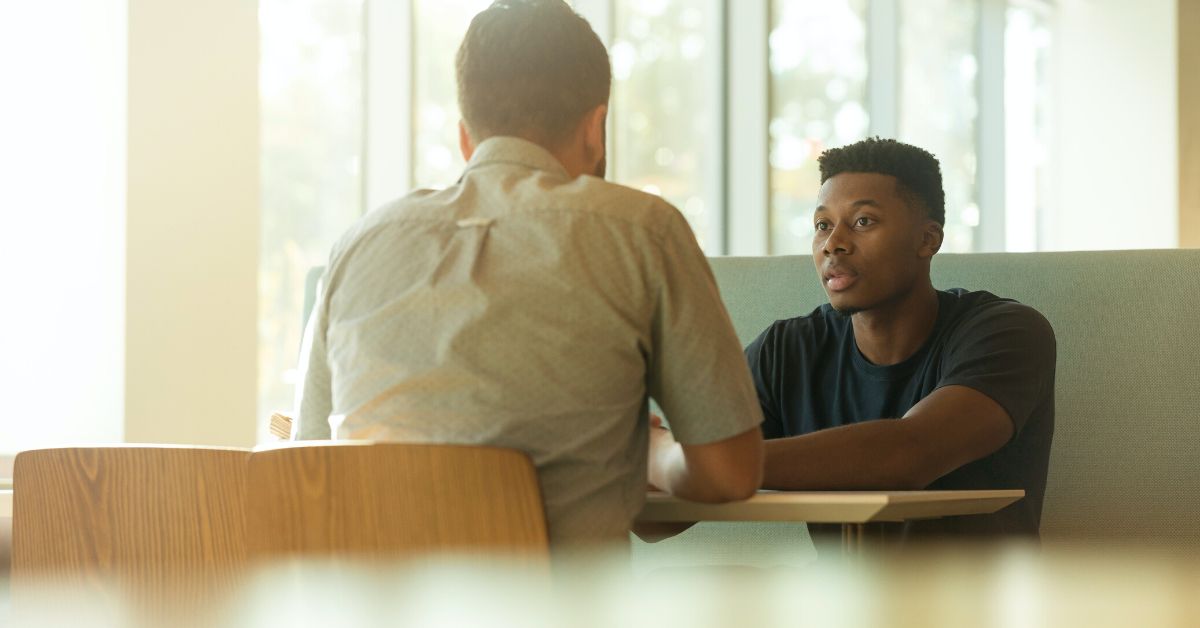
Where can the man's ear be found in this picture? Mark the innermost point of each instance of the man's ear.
(593, 131)
(931, 239)
(464, 141)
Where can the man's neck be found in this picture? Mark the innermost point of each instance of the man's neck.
(893, 332)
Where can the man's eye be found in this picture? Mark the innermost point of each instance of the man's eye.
(862, 222)
(822, 226)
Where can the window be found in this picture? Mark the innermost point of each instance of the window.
(665, 119)
(311, 86)
(439, 26)
(62, 222)
(938, 105)
(818, 61)
(1026, 124)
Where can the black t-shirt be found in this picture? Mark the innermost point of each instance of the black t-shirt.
(811, 376)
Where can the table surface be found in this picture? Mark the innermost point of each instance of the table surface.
(813, 507)
(831, 506)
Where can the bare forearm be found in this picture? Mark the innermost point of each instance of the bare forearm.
(875, 455)
(951, 427)
(724, 471)
(669, 472)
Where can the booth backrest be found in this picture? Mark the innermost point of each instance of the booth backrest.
(1124, 463)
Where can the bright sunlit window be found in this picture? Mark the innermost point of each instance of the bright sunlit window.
(665, 114)
(1027, 124)
(818, 61)
(310, 89)
(939, 104)
(438, 28)
(62, 222)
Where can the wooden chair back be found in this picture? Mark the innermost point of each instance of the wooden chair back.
(128, 514)
(392, 500)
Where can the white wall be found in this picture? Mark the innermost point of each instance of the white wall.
(193, 222)
(62, 221)
(1116, 116)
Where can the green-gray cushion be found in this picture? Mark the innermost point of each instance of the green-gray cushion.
(1127, 440)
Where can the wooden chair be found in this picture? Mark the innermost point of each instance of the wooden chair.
(391, 500)
(130, 517)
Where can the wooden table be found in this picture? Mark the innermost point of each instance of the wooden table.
(854, 510)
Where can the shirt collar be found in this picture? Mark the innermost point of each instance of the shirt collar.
(514, 150)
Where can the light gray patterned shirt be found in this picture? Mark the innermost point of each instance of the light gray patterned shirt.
(520, 308)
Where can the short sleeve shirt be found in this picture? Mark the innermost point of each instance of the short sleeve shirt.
(522, 308)
(811, 376)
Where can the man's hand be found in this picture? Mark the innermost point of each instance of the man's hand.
(661, 442)
(653, 532)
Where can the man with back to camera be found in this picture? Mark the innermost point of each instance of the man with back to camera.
(535, 306)
(970, 374)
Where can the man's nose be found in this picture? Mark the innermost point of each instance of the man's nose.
(837, 242)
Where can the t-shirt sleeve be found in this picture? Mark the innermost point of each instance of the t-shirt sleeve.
(762, 355)
(1007, 352)
(696, 370)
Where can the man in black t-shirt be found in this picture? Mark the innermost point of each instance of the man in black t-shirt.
(969, 375)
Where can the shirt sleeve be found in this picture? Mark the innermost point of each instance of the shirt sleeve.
(761, 355)
(696, 370)
(1007, 352)
(314, 399)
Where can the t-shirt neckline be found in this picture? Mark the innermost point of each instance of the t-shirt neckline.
(904, 368)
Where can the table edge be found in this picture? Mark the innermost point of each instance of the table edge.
(863, 506)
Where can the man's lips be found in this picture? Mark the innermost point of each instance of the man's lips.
(839, 279)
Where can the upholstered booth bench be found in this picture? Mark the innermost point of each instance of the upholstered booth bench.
(1125, 462)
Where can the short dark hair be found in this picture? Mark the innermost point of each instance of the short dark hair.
(917, 170)
(530, 68)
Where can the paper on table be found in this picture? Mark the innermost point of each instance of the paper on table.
(281, 426)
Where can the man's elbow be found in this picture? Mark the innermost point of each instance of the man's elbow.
(730, 489)
(741, 475)
(744, 491)
(916, 471)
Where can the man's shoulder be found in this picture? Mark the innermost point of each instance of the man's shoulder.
(619, 202)
(393, 214)
(605, 191)
(975, 303)
(975, 309)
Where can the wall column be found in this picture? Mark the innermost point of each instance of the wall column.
(192, 222)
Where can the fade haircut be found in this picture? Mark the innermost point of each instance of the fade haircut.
(917, 171)
(530, 68)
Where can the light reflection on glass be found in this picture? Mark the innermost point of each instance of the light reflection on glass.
(438, 30)
(938, 104)
(1026, 125)
(665, 105)
(310, 83)
(818, 66)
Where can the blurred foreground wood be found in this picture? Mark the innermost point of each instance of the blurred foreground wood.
(933, 588)
(161, 525)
